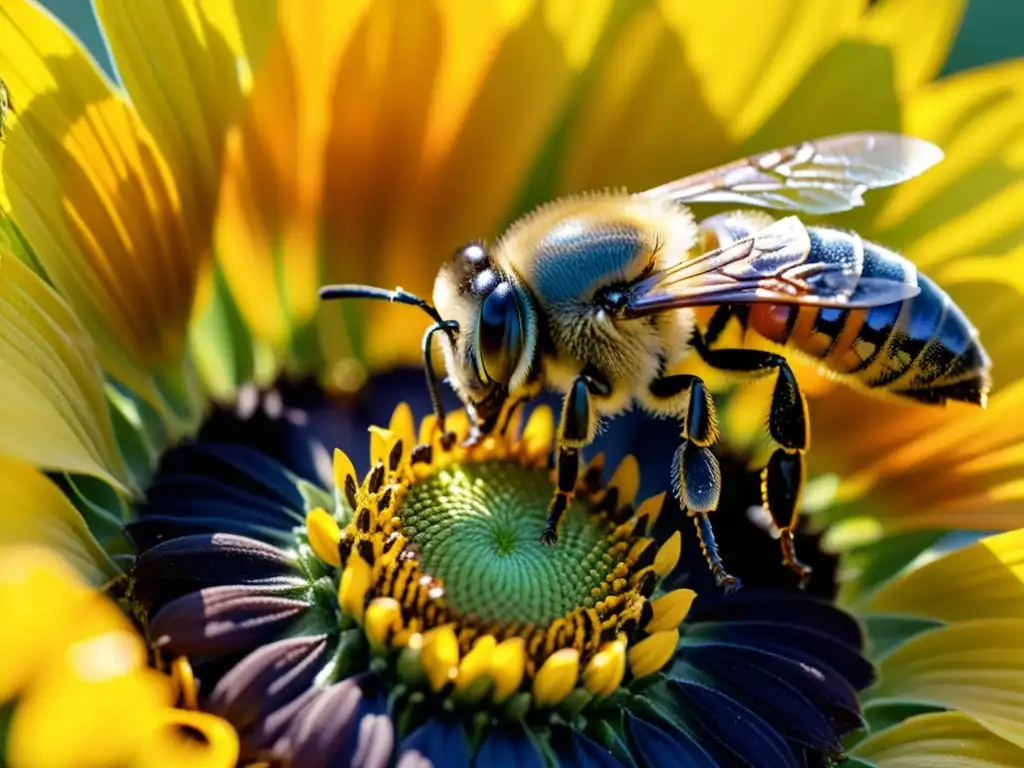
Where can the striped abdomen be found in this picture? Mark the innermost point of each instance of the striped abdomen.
(923, 348)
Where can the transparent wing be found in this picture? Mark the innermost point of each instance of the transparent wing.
(822, 176)
(776, 265)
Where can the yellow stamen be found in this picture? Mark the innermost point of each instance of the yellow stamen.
(508, 666)
(475, 666)
(670, 610)
(181, 672)
(324, 535)
(355, 581)
(668, 555)
(383, 618)
(440, 656)
(556, 678)
(627, 479)
(653, 653)
(604, 672)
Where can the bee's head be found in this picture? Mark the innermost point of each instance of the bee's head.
(492, 354)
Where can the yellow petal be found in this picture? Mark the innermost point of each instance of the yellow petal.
(982, 580)
(668, 554)
(962, 206)
(605, 670)
(975, 667)
(556, 677)
(626, 479)
(273, 193)
(508, 665)
(355, 581)
(168, 747)
(670, 609)
(647, 70)
(920, 34)
(96, 688)
(650, 509)
(476, 664)
(925, 468)
(653, 652)
(383, 619)
(344, 472)
(440, 656)
(37, 512)
(381, 443)
(744, 89)
(539, 429)
(849, 88)
(38, 591)
(324, 535)
(940, 739)
(95, 199)
(179, 62)
(52, 405)
(403, 426)
(410, 200)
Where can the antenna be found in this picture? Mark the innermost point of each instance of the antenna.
(402, 296)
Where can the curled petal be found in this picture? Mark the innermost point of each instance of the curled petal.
(729, 730)
(664, 748)
(653, 652)
(221, 620)
(348, 725)
(942, 738)
(190, 738)
(671, 609)
(267, 679)
(190, 563)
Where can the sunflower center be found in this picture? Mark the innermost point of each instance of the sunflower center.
(476, 528)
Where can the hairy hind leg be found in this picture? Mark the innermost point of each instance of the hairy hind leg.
(696, 476)
(783, 478)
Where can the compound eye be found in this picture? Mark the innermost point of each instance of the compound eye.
(499, 335)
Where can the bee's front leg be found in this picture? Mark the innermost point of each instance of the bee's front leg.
(576, 429)
(696, 476)
(783, 478)
(479, 428)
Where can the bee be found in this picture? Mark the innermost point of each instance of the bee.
(594, 296)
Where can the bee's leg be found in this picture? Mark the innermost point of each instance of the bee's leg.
(695, 472)
(783, 478)
(478, 428)
(575, 430)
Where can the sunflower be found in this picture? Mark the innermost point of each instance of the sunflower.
(319, 575)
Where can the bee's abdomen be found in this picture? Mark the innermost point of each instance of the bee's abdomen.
(923, 348)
